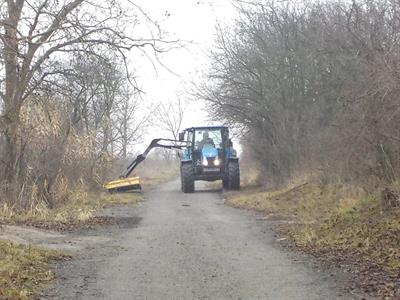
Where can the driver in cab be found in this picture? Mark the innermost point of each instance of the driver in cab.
(206, 140)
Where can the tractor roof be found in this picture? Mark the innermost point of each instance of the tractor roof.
(206, 127)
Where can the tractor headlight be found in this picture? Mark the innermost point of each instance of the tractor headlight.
(205, 161)
(216, 162)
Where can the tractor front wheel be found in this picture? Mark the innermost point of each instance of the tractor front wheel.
(187, 178)
(233, 175)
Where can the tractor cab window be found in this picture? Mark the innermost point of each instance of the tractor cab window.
(208, 137)
(189, 136)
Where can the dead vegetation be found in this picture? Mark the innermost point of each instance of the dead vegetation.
(25, 270)
(69, 106)
(161, 166)
(78, 212)
(339, 223)
(76, 208)
(311, 88)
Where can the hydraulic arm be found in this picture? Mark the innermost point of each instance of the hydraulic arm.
(126, 183)
(173, 144)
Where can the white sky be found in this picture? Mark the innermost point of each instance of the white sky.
(186, 20)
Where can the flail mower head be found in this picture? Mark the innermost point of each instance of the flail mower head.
(123, 185)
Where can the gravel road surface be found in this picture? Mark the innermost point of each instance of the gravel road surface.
(190, 246)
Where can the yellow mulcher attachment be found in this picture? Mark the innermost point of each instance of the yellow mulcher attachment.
(125, 183)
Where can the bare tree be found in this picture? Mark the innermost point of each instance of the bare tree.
(36, 35)
(311, 86)
(170, 117)
(129, 122)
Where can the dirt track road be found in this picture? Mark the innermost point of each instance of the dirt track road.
(190, 246)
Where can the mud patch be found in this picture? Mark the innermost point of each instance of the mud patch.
(127, 222)
(47, 238)
(70, 237)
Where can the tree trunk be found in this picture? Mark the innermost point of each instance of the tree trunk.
(12, 96)
(10, 148)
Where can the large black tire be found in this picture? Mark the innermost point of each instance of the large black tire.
(187, 178)
(233, 175)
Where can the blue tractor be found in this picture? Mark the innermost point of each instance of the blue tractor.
(207, 154)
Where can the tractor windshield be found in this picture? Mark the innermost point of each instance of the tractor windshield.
(208, 137)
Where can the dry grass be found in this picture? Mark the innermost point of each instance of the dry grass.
(153, 172)
(340, 218)
(363, 229)
(74, 212)
(25, 270)
(74, 205)
(150, 181)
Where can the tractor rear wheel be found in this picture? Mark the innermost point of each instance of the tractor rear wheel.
(187, 178)
(233, 175)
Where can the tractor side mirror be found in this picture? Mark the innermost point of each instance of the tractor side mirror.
(181, 136)
(230, 144)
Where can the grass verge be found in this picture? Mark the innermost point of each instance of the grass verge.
(25, 270)
(340, 223)
(77, 212)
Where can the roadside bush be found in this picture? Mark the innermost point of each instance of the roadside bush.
(57, 162)
(312, 88)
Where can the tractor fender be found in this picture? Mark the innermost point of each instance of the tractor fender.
(233, 159)
(230, 153)
(186, 161)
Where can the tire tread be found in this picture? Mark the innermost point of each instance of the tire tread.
(233, 175)
(187, 178)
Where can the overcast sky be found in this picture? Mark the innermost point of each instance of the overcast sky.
(186, 20)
